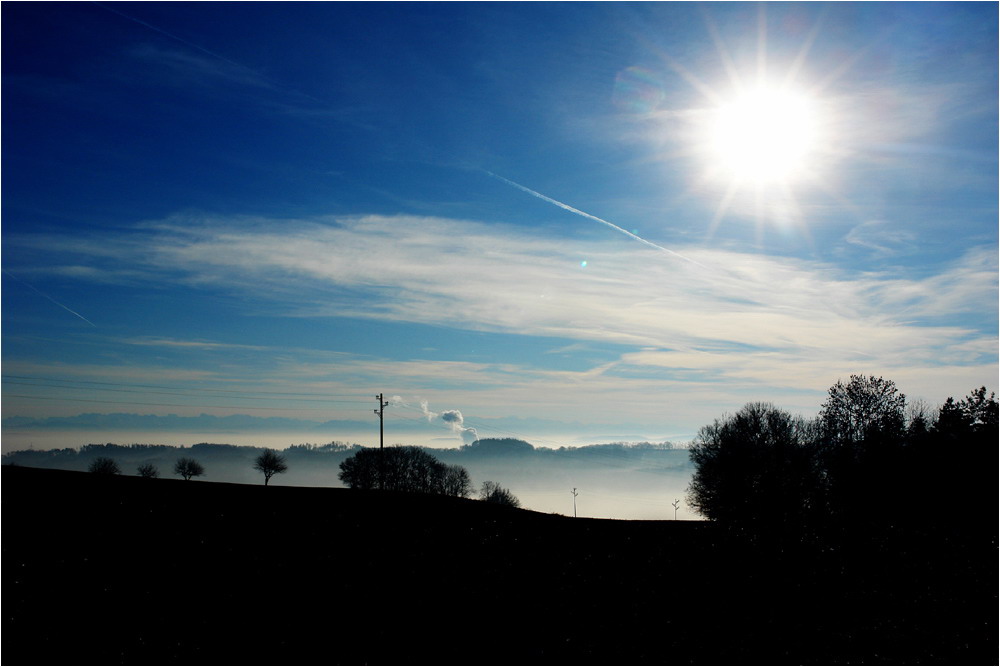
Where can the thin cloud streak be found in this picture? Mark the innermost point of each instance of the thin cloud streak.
(41, 293)
(181, 40)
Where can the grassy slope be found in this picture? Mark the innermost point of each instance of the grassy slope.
(125, 570)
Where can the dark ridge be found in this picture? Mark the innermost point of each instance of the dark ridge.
(124, 570)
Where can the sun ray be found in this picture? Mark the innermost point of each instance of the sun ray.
(720, 47)
(761, 44)
(722, 209)
(800, 57)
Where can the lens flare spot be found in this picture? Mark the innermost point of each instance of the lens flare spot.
(638, 91)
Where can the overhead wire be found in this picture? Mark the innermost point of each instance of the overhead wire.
(176, 393)
(192, 391)
(168, 405)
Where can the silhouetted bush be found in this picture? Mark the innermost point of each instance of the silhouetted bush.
(401, 468)
(148, 470)
(104, 465)
(755, 468)
(492, 492)
(270, 463)
(188, 468)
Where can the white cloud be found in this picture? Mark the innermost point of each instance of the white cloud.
(881, 237)
(744, 324)
(189, 344)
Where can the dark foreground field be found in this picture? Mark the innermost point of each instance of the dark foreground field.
(125, 570)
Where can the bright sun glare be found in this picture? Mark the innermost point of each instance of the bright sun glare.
(764, 136)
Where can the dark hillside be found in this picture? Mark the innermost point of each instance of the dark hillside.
(113, 570)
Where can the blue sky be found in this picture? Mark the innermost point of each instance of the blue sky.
(568, 221)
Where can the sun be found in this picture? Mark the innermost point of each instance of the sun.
(764, 136)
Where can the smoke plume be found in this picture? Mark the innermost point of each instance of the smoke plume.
(454, 420)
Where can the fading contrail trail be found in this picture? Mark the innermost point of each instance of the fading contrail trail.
(567, 207)
(38, 291)
(171, 36)
(259, 77)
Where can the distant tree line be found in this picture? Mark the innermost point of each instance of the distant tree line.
(868, 467)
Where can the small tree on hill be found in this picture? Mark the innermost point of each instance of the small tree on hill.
(104, 465)
(270, 463)
(188, 468)
(492, 492)
(148, 471)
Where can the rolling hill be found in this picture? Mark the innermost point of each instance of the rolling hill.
(109, 570)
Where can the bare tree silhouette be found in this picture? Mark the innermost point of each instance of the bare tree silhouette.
(104, 465)
(188, 468)
(492, 492)
(148, 470)
(270, 463)
(456, 482)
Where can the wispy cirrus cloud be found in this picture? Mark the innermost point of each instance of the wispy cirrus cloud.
(772, 320)
(189, 344)
(881, 237)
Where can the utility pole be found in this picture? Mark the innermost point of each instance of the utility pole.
(381, 438)
(676, 504)
(575, 494)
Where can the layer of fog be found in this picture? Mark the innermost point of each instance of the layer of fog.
(619, 482)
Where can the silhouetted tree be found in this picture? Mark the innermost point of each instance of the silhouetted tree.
(863, 432)
(976, 413)
(402, 469)
(981, 411)
(492, 492)
(104, 465)
(865, 409)
(756, 471)
(456, 482)
(148, 470)
(853, 478)
(270, 463)
(188, 468)
(962, 460)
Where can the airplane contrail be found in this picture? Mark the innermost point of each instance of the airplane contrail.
(567, 207)
(172, 36)
(49, 298)
(257, 75)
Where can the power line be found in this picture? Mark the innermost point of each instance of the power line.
(192, 391)
(178, 393)
(167, 405)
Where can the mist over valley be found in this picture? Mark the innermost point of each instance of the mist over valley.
(616, 481)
